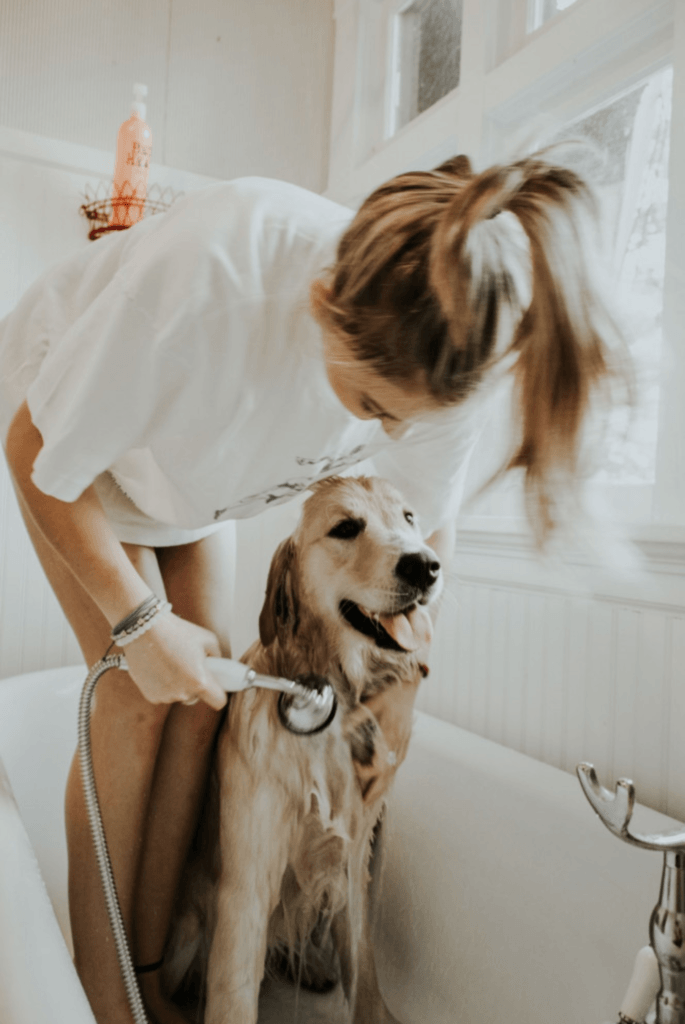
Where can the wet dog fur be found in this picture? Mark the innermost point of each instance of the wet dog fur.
(280, 875)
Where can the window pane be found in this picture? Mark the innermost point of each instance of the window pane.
(540, 11)
(632, 135)
(428, 51)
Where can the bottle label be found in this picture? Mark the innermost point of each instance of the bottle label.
(139, 155)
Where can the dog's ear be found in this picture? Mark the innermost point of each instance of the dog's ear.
(280, 609)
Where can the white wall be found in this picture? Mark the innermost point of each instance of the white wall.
(234, 88)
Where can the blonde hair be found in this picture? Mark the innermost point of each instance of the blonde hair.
(424, 274)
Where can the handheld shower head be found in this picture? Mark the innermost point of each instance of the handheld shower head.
(311, 708)
(307, 705)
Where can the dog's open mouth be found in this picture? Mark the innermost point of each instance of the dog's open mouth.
(406, 630)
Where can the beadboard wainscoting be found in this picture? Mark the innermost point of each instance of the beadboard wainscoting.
(568, 663)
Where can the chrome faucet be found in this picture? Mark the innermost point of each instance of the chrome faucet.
(667, 923)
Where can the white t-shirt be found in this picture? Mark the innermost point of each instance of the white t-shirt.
(181, 355)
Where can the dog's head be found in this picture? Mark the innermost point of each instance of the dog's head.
(355, 576)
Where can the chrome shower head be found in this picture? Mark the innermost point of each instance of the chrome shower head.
(306, 705)
(309, 709)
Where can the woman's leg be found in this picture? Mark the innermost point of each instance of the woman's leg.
(126, 731)
(198, 582)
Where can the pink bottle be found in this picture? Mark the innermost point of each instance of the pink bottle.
(134, 146)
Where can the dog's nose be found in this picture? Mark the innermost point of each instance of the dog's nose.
(419, 569)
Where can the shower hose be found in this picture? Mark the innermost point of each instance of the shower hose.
(128, 972)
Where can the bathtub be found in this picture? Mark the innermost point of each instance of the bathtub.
(503, 899)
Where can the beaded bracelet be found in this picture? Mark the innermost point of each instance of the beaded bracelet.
(129, 622)
(139, 621)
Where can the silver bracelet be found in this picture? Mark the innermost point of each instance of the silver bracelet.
(139, 621)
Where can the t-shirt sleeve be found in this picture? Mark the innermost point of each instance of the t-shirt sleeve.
(429, 467)
(110, 381)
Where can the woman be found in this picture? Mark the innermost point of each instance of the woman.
(218, 359)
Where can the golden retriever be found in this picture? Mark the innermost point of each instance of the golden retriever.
(346, 598)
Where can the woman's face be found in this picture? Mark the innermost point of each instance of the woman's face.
(369, 396)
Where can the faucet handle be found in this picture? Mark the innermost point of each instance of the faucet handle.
(616, 809)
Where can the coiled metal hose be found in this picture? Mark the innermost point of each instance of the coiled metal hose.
(128, 972)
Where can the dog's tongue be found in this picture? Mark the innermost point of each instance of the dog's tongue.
(409, 629)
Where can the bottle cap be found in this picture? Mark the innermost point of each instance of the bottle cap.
(139, 94)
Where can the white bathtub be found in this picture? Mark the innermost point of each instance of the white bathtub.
(504, 900)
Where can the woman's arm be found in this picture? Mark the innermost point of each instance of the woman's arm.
(167, 662)
(77, 530)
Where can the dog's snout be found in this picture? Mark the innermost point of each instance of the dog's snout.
(419, 569)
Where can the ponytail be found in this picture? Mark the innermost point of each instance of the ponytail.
(562, 339)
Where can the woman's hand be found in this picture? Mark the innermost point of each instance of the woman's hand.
(168, 663)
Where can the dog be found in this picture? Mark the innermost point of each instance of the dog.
(284, 864)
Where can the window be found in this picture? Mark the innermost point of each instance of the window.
(630, 135)
(426, 56)
(409, 58)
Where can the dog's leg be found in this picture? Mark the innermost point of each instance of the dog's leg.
(352, 934)
(255, 837)
(369, 1004)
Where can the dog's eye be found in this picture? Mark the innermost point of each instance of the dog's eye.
(409, 516)
(347, 529)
